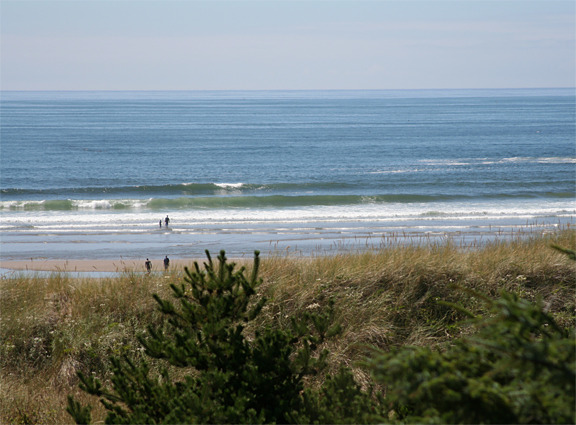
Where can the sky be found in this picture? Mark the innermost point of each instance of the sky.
(286, 44)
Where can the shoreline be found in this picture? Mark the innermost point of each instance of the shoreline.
(466, 240)
(83, 266)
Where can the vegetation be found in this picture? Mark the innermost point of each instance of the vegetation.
(232, 377)
(518, 368)
(400, 334)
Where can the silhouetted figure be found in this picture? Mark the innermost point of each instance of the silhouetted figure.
(166, 221)
(160, 223)
(166, 263)
(148, 265)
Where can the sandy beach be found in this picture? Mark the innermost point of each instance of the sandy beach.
(464, 239)
(122, 265)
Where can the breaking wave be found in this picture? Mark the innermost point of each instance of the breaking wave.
(233, 201)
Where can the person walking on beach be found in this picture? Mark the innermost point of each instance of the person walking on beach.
(166, 263)
(148, 265)
(166, 220)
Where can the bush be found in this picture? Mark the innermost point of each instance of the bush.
(518, 368)
(231, 376)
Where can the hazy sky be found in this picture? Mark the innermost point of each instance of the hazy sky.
(296, 44)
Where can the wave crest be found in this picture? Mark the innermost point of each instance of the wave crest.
(233, 201)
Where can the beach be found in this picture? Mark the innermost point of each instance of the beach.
(119, 266)
(303, 245)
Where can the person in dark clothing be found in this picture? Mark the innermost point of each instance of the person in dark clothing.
(166, 263)
(166, 221)
(160, 223)
(148, 265)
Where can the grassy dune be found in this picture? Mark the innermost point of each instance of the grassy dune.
(52, 327)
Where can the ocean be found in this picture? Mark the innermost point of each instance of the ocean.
(91, 175)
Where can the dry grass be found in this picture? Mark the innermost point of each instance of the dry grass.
(52, 327)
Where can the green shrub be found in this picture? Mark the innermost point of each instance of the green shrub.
(519, 367)
(231, 375)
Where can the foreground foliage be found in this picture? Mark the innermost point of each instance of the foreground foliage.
(52, 327)
(518, 366)
(233, 377)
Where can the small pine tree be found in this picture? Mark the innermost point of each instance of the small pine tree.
(232, 379)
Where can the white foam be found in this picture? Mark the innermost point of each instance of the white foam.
(557, 160)
(229, 185)
(540, 160)
(99, 219)
(411, 170)
(98, 204)
(488, 161)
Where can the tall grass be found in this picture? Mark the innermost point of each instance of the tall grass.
(51, 327)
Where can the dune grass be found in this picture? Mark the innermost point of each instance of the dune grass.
(51, 327)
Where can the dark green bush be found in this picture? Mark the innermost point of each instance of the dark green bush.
(519, 367)
(233, 377)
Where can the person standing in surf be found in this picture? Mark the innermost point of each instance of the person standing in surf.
(166, 221)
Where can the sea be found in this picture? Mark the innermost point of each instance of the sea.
(94, 174)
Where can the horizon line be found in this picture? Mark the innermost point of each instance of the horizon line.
(289, 90)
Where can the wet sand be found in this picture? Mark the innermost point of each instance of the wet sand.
(122, 265)
(470, 239)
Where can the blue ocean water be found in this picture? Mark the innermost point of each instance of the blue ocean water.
(91, 174)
